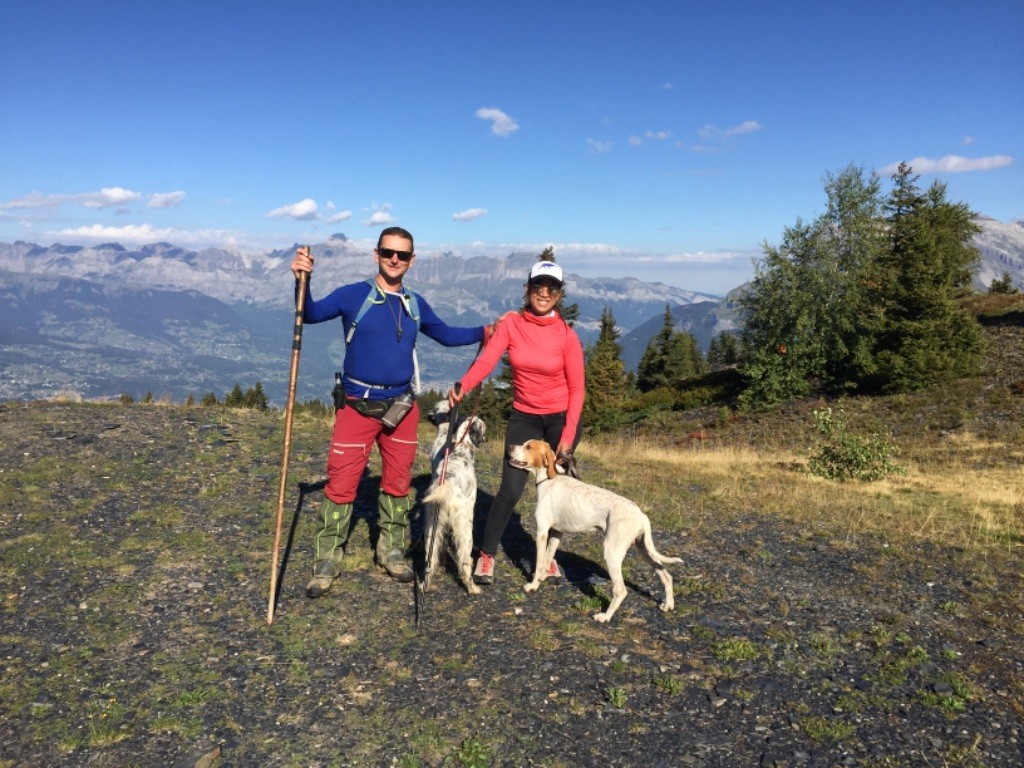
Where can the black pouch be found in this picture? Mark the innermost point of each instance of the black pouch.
(374, 409)
(338, 393)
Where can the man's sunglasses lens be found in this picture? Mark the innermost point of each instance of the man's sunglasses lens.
(387, 253)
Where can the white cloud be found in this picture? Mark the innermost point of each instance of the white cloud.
(501, 124)
(713, 132)
(340, 216)
(469, 214)
(108, 197)
(598, 147)
(304, 210)
(967, 141)
(634, 141)
(165, 199)
(952, 164)
(667, 86)
(381, 216)
(747, 126)
(147, 233)
(658, 135)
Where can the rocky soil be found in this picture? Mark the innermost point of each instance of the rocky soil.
(135, 564)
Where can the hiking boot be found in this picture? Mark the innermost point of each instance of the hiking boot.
(484, 571)
(554, 570)
(397, 566)
(324, 574)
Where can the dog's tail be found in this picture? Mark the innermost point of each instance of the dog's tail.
(652, 553)
(439, 494)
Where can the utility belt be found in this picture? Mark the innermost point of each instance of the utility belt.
(389, 411)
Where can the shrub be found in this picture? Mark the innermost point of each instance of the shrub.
(843, 456)
(655, 399)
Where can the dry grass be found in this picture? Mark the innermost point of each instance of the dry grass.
(949, 502)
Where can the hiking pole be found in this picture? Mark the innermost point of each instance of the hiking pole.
(300, 306)
(453, 425)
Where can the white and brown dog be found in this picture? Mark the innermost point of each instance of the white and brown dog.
(450, 499)
(567, 505)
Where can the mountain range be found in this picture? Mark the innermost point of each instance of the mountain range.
(100, 321)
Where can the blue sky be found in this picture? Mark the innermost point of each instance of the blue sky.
(664, 140)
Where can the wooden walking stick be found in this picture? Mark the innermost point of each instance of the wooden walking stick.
(300, 306)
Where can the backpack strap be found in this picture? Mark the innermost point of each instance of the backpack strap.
(412, 306)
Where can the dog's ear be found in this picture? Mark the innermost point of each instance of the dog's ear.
(439, 413)
(549, 460)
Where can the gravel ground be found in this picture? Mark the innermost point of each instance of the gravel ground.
(134, 557)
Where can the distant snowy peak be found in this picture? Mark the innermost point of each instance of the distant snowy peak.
(265, 278)
(1001, 245)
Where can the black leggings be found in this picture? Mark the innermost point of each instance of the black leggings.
(521, 427)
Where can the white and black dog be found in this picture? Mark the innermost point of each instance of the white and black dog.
(451, 498)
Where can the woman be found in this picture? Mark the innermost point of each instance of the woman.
(546, 359)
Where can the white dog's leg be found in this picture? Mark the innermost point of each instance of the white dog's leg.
(614, 554)
(538, 574)
(666, 581)
(463, 536)
(549, 554)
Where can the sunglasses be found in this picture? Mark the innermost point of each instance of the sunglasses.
(547, 288)
(388, 253)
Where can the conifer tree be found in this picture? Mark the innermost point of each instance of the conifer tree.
(256, 398)
(607, 385)
(670, 357)
(723, 351)
(235, 398)
(865, 297)
(922, 335)
(1003, 284)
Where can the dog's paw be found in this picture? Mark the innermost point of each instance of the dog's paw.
(604, 618)
(473, 589)
(666, 606)
(531, 586)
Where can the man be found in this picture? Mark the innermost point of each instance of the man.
(381, 320)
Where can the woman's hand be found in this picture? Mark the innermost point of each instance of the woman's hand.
(455, 395)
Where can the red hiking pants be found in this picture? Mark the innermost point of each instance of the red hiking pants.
(351, 444)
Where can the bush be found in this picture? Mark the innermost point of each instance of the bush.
(662, 398)
(843, 456)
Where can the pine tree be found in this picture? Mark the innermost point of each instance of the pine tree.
(1002, 285)
(256, 398)
(723, 351)
(654, 362)
(235, 398)
(922, 335)
(607, 384)
(670, 358)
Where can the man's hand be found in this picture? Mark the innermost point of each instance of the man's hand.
(303, 261)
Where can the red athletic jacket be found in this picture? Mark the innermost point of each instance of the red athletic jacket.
(547, 366)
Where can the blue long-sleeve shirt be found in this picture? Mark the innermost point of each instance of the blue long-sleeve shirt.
(380, 352)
